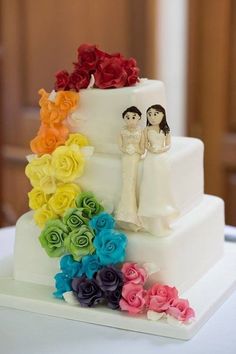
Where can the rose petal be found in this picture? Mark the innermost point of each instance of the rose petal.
(155, 316)
(70, 298)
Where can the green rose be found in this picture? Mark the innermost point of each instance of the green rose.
(52, 238)
(90, 205)
(74, 218)
(79, 242)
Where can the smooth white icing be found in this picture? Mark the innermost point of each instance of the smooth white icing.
(195, 244)
(99, 113)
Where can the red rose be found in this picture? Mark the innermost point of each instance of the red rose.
(110, 73)
(132, 71)
(88, 57)
(62, 80)
(79, 79)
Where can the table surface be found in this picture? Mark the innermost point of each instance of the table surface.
(28, 333)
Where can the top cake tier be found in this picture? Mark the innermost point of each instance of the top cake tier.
(99, 114)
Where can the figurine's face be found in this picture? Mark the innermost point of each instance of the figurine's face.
(154, 117)
(131, 119)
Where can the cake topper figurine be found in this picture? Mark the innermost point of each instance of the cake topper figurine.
(157, 133)
(156, 204)
(131, 144)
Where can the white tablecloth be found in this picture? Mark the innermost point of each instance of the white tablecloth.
(28, 333)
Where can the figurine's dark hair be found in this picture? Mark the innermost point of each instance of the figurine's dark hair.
(163, 125)
(132, 109)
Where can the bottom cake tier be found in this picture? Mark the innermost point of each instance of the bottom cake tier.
(193, 247)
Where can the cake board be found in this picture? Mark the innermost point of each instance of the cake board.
(205, 296)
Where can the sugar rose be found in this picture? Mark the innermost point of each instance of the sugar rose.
(110, 73)
(52, 238)
(133, 298)
(89, 203)
(62, 285)
(87, 291)
(68, 163)
(38, 168)
(62, 80)
(66, 100)
(69, 266)
(77, 139)
(64, 198)
(160, 296)
(79, 79)
(79, 242)
(43, 215)
(88, 57)
(37, 198)
(102, 221)
(74, 218)
(48, 139)
(110, 246)
(180, 309)
(134, 274)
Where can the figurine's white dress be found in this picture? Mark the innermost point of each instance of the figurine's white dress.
(126, 213)
(156, 204)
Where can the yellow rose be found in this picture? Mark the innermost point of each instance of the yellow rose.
(38, 168)
(48, 184)
(43, 214)
(64, 198)
(77, 139)
(37, 198)
(67, 163)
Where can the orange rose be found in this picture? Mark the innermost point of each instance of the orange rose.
(66, 100)
(51, 115)
(48, 139)
(44, 97)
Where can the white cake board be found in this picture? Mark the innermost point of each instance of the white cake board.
(205, 297)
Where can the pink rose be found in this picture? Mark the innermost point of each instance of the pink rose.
(79, 79)
(88, 57)
(110, 73)
(160, 296)
(179, 309)
(62, 80)
(133, 298)
(134, 274)
(132, 71)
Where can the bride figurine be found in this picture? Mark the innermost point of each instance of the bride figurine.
(131, 144)
(156, 205)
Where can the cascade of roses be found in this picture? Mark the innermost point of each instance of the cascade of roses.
(53, 178)
(92, 268)
(99, 69)
(53, 131)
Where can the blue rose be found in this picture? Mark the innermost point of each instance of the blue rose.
(102, 221)
(62, 285)
(90, 266)
(69, 266)
(110, 246)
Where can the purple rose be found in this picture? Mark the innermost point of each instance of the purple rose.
(87, 291)
(113, 298)
(109, 278)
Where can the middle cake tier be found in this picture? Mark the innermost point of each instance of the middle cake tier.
(182, 167)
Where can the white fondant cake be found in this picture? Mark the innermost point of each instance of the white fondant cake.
(182, 258)
(152, 184)
(99, 116)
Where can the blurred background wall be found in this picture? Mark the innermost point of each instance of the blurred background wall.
(189, 44)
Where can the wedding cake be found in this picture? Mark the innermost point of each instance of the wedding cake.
(119, 216)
